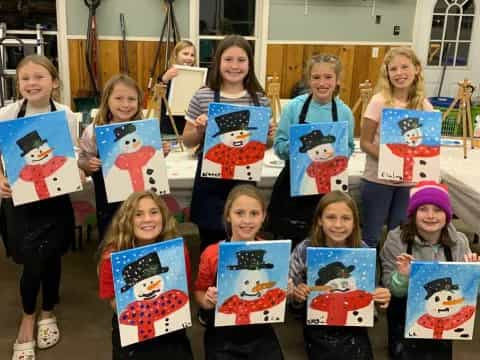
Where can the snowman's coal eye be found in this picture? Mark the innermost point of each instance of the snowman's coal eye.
(127, 142)
(232, 134)
(257, 282)
(316, 152)
(246, 282)
(32, 155)
(144, 285)
(324, 150)
(437, 299)
(449, 298)
(134, 140)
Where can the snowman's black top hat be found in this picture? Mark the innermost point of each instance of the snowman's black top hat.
(408, 124)
(29, 142)
(250, 260)
(123, 130)
(314, 138)
(233, 121)
(332, 271)
(141, 269)
(438, 285)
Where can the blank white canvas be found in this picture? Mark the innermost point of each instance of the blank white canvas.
(183, 87)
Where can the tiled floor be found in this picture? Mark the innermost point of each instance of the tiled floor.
(85, 320)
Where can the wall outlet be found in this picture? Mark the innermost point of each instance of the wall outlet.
(396, 30)
(374, 52)
(378, 19)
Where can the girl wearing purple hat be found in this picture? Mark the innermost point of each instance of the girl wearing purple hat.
(428, 235)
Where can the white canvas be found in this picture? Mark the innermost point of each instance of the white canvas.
(183, 87)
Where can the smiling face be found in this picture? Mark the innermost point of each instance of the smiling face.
(413, 137)
(39, 155)
(147, 221)
(430, 219)
(36, 84)
(130, 143)
(186, 56)
(246, 217)
(337, 222)
(149, 288)
(444, 303)
(238, 138)
(233, 66)
(401, 72)
(321, 152)
(123, 103)
(323, 82)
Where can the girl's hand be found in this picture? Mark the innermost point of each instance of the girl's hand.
(94, 164)
(472, 257)
(200, 123)
(382, 296)
(166, 148)
(301, 292)
(272, 128)
(210, 299)
(403, 264)
(5, 190)
(169, 74)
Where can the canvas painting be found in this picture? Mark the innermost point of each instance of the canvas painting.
(183, 87)
(342, 281)
(39, 157)
(132, 158)
(151, 291)
(409, 145)
(252, 282)
(318, 158)
(442, 300)
(235, 141)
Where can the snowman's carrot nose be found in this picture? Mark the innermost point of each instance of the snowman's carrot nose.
(453, 302)
(263, 286)
(43, 154)
(243, 136)
(154, 285)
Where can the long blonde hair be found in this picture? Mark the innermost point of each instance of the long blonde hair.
(317, 236)
(179, 47)
(45, 62)
(416, 94)
(120, 234)
(104, 115)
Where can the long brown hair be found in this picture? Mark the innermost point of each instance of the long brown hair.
(104, 115)
(45, 62)
(317, 236)
(409, 230)
(250, 82)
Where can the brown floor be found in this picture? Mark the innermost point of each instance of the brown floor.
(85, 320)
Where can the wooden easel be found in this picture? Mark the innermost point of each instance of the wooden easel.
(365, 95)
(273, 93)
(155, 108)
(464, 116)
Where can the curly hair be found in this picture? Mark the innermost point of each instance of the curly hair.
(416, 94)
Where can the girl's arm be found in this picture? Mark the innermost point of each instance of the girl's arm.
(367, 136)
(169, 74)
(395, 265)
(382, 296)
(207, 299)
(5, 190)
(282, 137)
(87, 161)
(194, 131)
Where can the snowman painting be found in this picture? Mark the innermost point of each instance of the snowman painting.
(415, 153)
(340, 302)
(325, 168)
(257, 299)
(236, 156)
(44, 174)
(154, 311)
(446, 316)
(137, 167)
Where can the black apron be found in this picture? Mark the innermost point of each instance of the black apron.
(41, 228)
(166, 127)
(291, 217)
(401, 348)
(209, 194)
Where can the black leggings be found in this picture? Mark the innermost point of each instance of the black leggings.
(40, 271)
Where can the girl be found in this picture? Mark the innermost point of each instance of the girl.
(232, 79)
(36, 234)
(400, 85)
(429, 236)
(290, 218)
(335, 224)
(184, 53)
(243, 215)
(142, 219)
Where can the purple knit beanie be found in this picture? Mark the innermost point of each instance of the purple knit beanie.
(430, 192)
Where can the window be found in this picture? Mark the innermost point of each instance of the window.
(451, 33)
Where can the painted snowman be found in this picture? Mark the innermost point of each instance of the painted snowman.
(44, 174)
(235, 156)
(447, 316)
(136, 168)
(154, 311)
(256, 299)
(326, 171)
(340, 303)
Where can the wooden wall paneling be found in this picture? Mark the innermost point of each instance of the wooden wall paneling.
(109, 60)
(293, 69)
(80, 85)
(275, 62)
(132, 58)
(346, 55)
(360, 74)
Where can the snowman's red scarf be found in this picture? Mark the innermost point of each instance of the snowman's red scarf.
(242, 308)
(441, 324)
(229, 157)
(133, 163)
(322, 171)
(144, 313)
(337, 305)
(38, 173)
(409, 152)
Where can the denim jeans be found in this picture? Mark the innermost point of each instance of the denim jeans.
(382, 204)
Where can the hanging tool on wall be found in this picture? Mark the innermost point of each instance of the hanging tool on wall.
(3, 63)
(124, 53)
(172, 36)
(91, 55)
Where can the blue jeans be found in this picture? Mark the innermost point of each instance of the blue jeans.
(382, 204)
